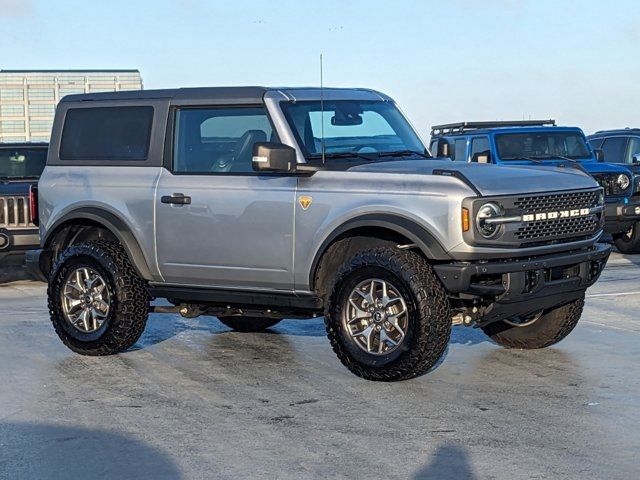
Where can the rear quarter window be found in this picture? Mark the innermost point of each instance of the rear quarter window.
(107, 133)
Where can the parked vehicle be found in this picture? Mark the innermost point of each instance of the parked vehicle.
(256, 204)
(20, 166)
(541, 142)
(623, 147)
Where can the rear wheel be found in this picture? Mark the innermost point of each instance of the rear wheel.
(629, 241)
(388, 317)
(249, 324)
(540, 330)
(97, 303)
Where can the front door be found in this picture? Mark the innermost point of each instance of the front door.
(219, 223)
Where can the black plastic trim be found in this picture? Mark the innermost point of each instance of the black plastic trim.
(423, 239)
(239, 298)
(112, 223)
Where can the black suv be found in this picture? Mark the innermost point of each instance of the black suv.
(20, 167)
(623, 147)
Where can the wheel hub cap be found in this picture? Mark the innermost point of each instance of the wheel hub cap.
(376, 317)
(85, 300)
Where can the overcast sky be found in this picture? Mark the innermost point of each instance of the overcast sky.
(443, 61)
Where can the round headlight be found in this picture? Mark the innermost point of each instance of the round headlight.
(486, 212)
(623, 181)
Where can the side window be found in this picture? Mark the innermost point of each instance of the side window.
(614, 149)
(106, 133)
(219, 140)
(480, 150)
(596, 142)
(460, 150)
(633, 149)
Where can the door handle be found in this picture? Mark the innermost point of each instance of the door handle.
(176, 199)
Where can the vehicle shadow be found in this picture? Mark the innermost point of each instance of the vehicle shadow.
(449, 462)
(51, 452)
(162, 327)
(468, 335)
(13, 274)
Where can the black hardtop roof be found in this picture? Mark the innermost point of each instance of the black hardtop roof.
(245, 94)
(615, 131)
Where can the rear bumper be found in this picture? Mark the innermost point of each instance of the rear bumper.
(519, 287)
(620, 216)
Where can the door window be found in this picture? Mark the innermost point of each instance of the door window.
(480, 150)
(219, 140)
(460, 150)
(614, 149)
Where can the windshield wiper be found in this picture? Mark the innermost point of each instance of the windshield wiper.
(403, 153)
(528, 159)
(19, 177)
(334, 155)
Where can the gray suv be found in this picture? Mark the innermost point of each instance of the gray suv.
(257, 204)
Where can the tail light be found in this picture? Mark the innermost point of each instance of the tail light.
(33, 204)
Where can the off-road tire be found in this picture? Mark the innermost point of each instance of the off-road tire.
(249, 324)
(129, 297)
(628, 244)
(429, 320)
(553, 326)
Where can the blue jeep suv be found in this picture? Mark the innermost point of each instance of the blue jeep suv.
(622, 147)
(541, 142)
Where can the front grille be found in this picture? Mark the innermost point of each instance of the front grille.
(608, 182)
(559, 229)
(14, 213)
(559, 201)
(578, 226)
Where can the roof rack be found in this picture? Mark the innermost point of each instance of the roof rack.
(460, 127)
(614, 130)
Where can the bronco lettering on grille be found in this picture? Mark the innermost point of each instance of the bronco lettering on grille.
(532, 217)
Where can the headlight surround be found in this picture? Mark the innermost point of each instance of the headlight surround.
(486, 212)
(623, 181)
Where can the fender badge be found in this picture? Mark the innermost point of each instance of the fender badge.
(305, 201)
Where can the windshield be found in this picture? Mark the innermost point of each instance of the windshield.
(351, 128)
(22, 162)
(542, 146)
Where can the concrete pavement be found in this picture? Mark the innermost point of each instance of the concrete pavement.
(195, 400)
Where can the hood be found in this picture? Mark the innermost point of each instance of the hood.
(491, 179)
(15, 187)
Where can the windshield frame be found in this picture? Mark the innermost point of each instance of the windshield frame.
(538, 158)
(312, 157)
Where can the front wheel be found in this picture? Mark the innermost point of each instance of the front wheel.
(249, 324)
(388, 317)
(629, 241)
(537, 331)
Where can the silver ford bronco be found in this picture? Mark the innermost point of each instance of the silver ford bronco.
(257, 204)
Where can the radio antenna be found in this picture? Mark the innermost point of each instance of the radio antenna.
(321, 111)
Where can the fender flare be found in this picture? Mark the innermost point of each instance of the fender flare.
(115, 225)
(417, 234)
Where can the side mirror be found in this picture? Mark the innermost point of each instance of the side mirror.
(443, 148)
(273, 157)
(599, 155)
(636, 158)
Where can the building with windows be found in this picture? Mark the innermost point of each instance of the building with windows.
(28, 98)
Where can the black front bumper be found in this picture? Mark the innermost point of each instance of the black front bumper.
(15, 243)
(620, 217)
(508, 288)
